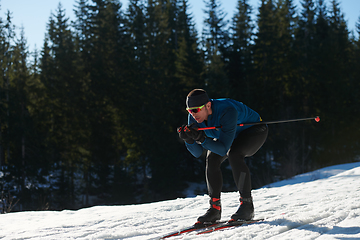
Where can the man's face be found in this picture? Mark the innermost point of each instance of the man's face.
(200, 113)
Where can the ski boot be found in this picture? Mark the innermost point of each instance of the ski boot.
(245, 211)
(213, 214)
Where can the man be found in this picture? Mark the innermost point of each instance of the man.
(231, 142)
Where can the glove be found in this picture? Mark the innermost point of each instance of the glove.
(184, 135)
(196, 135)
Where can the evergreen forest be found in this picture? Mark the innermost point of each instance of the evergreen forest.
(90, 118)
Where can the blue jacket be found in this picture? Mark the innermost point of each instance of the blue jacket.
(226, 113)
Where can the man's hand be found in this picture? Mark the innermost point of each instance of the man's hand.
(196, 135)
(184, 135)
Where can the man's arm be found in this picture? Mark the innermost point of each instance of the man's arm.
(195, 149)
(228, 122)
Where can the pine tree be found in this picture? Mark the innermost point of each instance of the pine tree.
(303, 84)
(161, 84)
(60, 79)
(215, 44)
(285, 56)
(273, 57)
(189, 64)
(7, 37)
(19, 122)
(305, 47)
(240, 68)
(285, 81)
(105, 58)
(189, 67)
(276, 79)
(135, 159)
(339, 86)
(3, 50)
(264, 56)
(355, 76)
(321, 43)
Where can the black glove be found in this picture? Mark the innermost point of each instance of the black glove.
(198, 136)
(184, 135)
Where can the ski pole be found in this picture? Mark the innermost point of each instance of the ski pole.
(317, 119)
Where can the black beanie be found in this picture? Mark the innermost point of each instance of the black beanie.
(197, 98)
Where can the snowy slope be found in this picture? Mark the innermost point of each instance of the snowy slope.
(321, 205)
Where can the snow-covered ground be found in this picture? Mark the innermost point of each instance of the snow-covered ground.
(324, 204)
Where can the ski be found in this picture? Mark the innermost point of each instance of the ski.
(228, 224)
(195, 227)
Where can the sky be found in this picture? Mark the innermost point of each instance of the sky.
(321, 205)
(34, 15)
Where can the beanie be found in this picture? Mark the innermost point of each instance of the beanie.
(197, 98)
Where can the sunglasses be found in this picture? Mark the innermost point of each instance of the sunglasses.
(195, 109)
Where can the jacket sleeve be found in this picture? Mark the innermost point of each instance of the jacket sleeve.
(228, 121)
(195, 149)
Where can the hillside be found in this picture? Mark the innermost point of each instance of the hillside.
(324, 204)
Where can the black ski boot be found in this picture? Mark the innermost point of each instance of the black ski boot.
(245, 211)
(213, 214)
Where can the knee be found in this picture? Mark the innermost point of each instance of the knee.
(236, 158)
(236, 153)
(212, 164)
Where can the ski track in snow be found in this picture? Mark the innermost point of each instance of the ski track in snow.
(324, 204)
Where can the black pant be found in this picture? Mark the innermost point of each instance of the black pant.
(247, 143)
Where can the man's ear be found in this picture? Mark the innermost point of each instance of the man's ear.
(208, 105)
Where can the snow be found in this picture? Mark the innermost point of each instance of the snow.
(324, 204)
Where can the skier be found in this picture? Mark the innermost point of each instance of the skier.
(229, 142)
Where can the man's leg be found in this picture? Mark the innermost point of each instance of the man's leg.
(214, 182)
(246, 144)
(213, 172)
